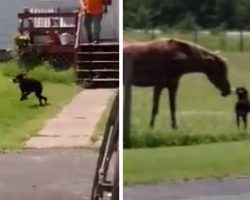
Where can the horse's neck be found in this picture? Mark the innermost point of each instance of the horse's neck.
(198, 67)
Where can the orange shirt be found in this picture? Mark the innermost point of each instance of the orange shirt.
(93, 7)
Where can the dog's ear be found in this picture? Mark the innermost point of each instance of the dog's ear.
(23, 74)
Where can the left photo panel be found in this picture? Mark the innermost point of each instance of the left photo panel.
(59, 118)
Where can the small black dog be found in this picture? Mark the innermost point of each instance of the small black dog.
(29, 85)
(242, 106)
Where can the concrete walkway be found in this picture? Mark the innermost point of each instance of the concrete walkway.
(75, 124)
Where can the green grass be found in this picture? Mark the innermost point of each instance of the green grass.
(20, 120)
(231, 43)
(200, 108)
(147, 166)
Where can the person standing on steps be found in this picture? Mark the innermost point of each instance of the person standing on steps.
(93, 11)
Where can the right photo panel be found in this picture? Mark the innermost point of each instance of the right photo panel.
(186, 79)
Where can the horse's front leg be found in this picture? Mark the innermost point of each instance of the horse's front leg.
(156, 98)
(172, 102)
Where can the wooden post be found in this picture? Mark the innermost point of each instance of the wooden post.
(223, 40)
(128, 75)
(31, 26)
(241, 41)
(195, 35)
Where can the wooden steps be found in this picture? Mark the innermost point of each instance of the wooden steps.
(97, 65)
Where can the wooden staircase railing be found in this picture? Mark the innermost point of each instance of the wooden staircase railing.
(78, 37)
(96, 65)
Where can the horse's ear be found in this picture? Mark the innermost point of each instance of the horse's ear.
(171, 40)
(217, 53)
(172, 43)
(209, 59)
(223, 58)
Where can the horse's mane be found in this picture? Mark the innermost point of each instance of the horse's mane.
(198, 49)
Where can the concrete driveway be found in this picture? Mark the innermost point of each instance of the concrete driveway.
(47, 175)
(232, 189)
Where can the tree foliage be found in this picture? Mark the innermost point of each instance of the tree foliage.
(187, 13)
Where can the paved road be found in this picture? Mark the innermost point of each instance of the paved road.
(47, 175)
(237, 189)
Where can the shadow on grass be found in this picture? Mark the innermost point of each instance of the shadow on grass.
(34, 106)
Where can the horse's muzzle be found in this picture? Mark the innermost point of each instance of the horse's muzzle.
(226, 93)
(233, 90)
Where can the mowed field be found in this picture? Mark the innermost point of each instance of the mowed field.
(200, 108)
(186, 163)
(200, 111)
(202, 114)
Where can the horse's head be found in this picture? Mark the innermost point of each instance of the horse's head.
(217, 74)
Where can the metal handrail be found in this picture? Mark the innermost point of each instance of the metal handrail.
(78, 32)
(107, 147)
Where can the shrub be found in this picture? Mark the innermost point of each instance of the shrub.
(47, 73)
(152, 140)
(42, 72)
(10, 68)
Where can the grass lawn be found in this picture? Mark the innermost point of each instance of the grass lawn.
(20, 120)
(148, 166)
(201, 109)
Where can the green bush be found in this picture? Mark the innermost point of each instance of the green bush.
(47, 73)
(152, 140)
(10, 68)
(43, 72)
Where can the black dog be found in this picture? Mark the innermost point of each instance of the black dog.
(29, 85)
(242, 106)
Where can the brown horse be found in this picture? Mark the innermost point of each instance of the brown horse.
(162, 62)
